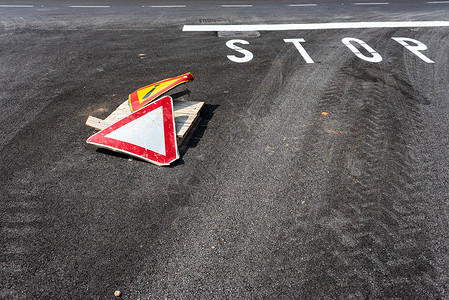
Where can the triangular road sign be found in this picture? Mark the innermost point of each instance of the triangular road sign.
(149, 134)
(145, 95)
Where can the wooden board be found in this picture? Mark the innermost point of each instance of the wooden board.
(186, 112)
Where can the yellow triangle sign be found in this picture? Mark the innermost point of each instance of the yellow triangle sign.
(145, 95)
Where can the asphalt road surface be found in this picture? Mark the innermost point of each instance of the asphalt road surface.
(319, 169)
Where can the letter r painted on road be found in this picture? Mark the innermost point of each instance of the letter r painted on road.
(375, 56)
(302, 51)
(414, 48)
(247, 54)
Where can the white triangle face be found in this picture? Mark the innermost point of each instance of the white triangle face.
(146, 132)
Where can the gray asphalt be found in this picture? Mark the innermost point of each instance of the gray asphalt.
(302, 181)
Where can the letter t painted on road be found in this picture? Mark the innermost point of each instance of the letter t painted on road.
(297, 43)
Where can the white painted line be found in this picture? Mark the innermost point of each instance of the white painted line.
(438, 2)
(167, 6)
(348, 25)
(90, 6)
(236, 5)
(302, 5)
(16, 6)
(372, 3)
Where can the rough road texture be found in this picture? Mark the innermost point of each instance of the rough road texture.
(325, 180)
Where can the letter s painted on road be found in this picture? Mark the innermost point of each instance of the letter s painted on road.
(247, 54)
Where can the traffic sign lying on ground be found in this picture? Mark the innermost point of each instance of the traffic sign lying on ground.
(149, 134)
(186, 116)
(145, 95)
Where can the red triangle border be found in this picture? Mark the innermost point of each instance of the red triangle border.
(171, 146)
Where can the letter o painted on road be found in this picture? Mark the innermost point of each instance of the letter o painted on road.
(375, 56)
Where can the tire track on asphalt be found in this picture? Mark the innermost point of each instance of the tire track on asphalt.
(372, 229)
(19, 226)
(435, 161)
(238, 246)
